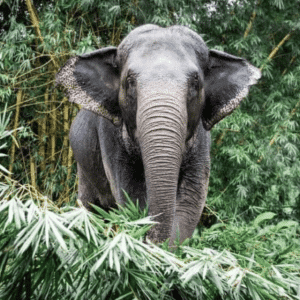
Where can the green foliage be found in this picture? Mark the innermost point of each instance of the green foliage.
(4, 120)
(71, 253)
(255, 163)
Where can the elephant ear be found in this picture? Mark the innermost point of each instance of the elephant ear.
(227, 82)
(92, 80)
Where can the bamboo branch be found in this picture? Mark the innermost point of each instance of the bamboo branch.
(275, 50)
(250, 24)
(220, 137)
(35, 24)
(17, 115)
(290, 63)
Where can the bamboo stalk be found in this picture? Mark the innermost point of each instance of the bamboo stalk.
(16, 122)
(221, 136)
(53, 130)
(35, 24)
(290, 63)
(294, 110)
(70, 161)
(250, 24)
(275, 50)
(70, 152)
(66, 196)
(42, 132)
(69, 156)
(44, 129)
(66, 131)
(32, 172)
(34, 19)
(133, 19)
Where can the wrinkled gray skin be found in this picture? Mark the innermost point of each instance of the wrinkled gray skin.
(148, 107)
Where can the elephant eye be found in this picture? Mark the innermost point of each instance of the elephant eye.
(194, 80)
(130, 80)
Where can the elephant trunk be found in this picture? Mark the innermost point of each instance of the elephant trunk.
(161, 131)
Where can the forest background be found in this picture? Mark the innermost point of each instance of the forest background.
(255, 166)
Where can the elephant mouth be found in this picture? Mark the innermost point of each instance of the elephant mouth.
(131, 146)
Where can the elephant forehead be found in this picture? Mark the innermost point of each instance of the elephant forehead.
(148, 61)
(161, 63)
(156, 88)
(162, 48)
(179, 40)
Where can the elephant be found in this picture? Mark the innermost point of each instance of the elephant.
(147, 108)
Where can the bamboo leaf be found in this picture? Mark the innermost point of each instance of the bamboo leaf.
(30, 236)
(58, 222)
(47, 230)
(57, 234)
(117, 262)
(262, 217)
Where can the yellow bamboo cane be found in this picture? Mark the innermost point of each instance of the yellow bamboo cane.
(35, 23)
(53, 130)
(70, 160)
(275, 50)
(290, 63)
(64, 195)
(32, 172)
(16, 122)
(70, 152)
(66, 132)
(250, 24)
(42, 132)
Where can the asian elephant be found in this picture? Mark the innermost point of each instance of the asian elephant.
(148, 106)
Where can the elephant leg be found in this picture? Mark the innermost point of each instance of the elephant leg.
(192, 186)
(190, 204)
(88, 192)
(93, 183)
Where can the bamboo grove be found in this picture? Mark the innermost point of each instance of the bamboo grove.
(251, 149)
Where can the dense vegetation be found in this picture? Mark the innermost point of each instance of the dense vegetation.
(254, 194)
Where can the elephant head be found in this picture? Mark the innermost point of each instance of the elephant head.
(161, 84)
